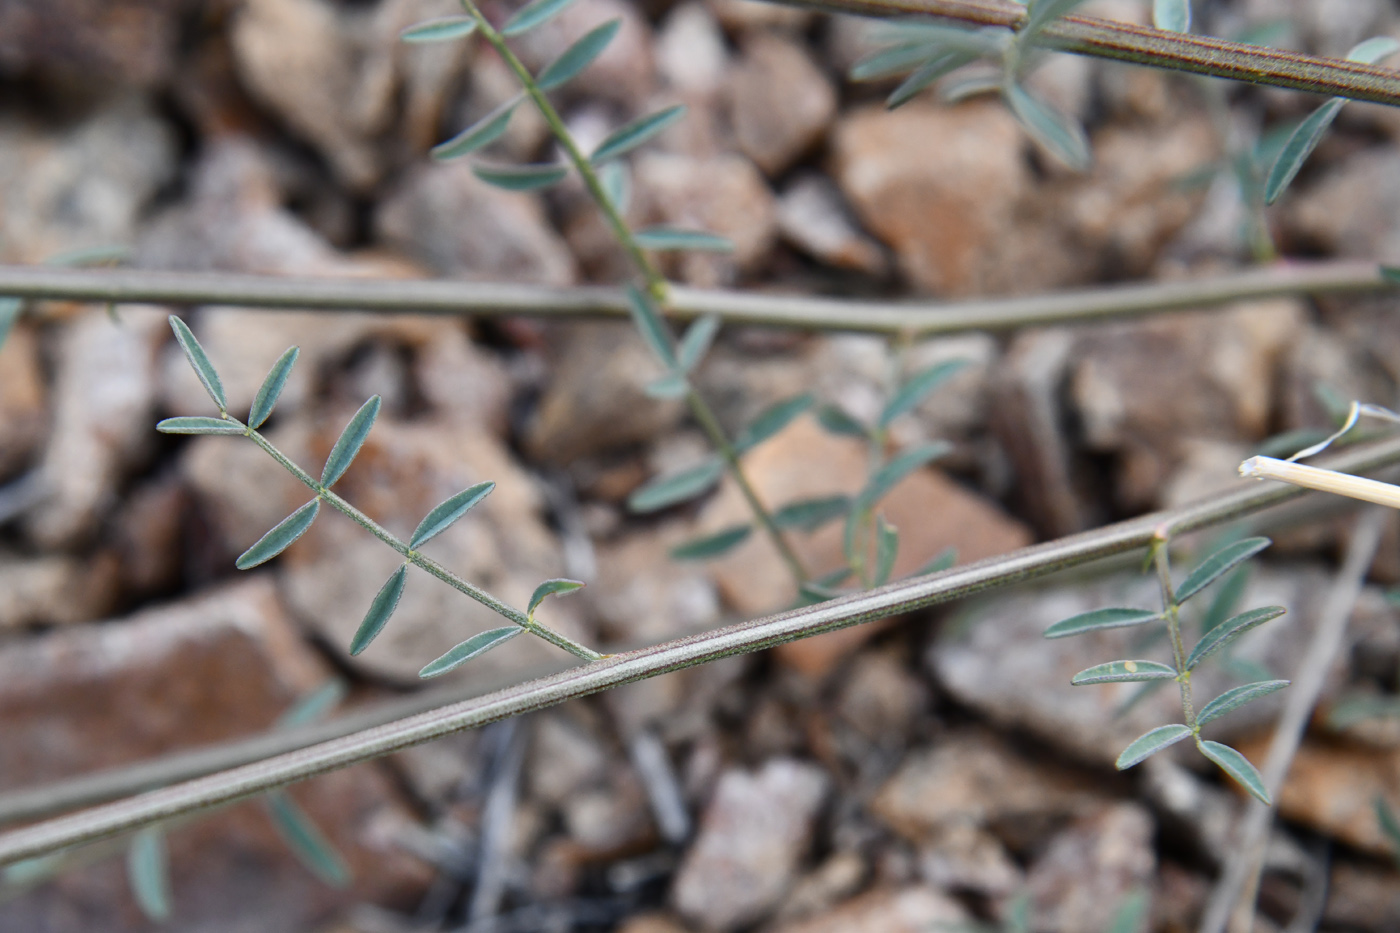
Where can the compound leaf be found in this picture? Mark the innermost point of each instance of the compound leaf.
(1123, 672)
(306, 841)
(811, 514)
(280, 537)
(1213, 567)
(521, 177)
(1236, 697)
(443, 515)
(200, 361)
(271, 388)
(919, 387)
(1061, 136)
(383, 606)
(678, 238)
(532, 15)
(1115, 617)
(198, 424)
(350, 442)
(550, 588)
(578, 56)
(479, 135)
(678, 487)
(1228, 631)
(442, 29)
(1238, 767)
(631, 135)
(1151, 742)
(476, 645)
(148, 870)
(771, 420)
(712, 545)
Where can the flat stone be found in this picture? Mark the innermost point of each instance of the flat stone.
(780, 102)
(752, 837)
(56, 589)
(812, 217)
(127, 42)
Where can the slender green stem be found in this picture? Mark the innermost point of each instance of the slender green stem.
(1172, 610)
(656, 285)
(415, 557)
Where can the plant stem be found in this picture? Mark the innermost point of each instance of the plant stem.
(627, 667)
(1172, 610)
(1143, 45)
(414, 557)
(485, 299)
(656, 285)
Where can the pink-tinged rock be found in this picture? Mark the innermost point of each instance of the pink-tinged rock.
(1091, 868)
(23, 402)
(913, 909)
(780, 102)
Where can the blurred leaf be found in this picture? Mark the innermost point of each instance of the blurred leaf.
(479, 135)
(697, 340)
(31, 871)
(1337, 405)
(306, 841)
(712, 545)
(108, 254)
(1041, 13)
(1151, 742)
(823, 587)
(919, 387)
(314, 705)
(1390, 826)
(1358, 709)
(895, 60)
(350, 442)
(927, 73)
(892, 473)
(555, 587)
(838, 422)
(886, 550)
(1299, 146)
(439, 30)
(1227, 599)
(443, 515)
(1172, 15)
(1123, 672)
(1288, 443)
(198, 424)
(268, 392)
(578, 56)
(10, 309)
(521, 177)
(1018, 914)
(280, 537)
(1228, 631)
(1061, 136)
(970, 83)
(631, 135)
(670, 386)
(148, 871)
(652, 328)
(1216, 565)
(1098, 619)
(199, 360)
(532, 15)
(476, 645)
(383, 606)
(677, 487)
(1238, 767)
(1371, 51)
(937, 37)
(616, 185)
(811, 514)
(943, 560)
(1236, 697)
(771, 420)
(1391, 274)
(676, 238)
(1131, 914)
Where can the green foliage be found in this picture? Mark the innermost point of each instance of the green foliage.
(349, 443)
(555, 587)
(280, 537)
(480, 134)
(533, 14)
(521, 177)
(306, 841)
(473, 647)
(677, 238)
(1172, 15)
(1101, 619)
(383, 606)
(578, 56)
(441, 29)
(271, 389)
(148, 872)
(676, 488)
(713, 545)
(631, 135)
(199, 362)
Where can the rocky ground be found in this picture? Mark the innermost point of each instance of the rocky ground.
(921, 773)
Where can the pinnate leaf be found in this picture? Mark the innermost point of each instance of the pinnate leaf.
(532, 15)
(1236, 697)
(1123, 672)
(480, 134)
(448, 511)
(306, 841)
(1061, 136)
(677, 487)
(650, 325)
(697, 340)
(280, 537)
(771, 420)
(578, 56)
(350, 442)
(1151, 742)
(919, 387)
(442, 29)
(712, 545)
(148, 871)
(1172, 15)
(198, 424)
(200, 361)
(1228, 631)
(472, 647)
(548, 588)
(1115, 617)
(271, 388)
(679, 238)
(1216, 565)
(383, 606)
(631, 135)
(1238, 767)
(811, 514)
(521, 177)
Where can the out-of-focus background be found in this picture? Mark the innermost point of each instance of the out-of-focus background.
(907, 775)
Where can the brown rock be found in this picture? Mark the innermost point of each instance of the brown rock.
(690, 51)
(906, 910)
(965, 857)
(643, 597)
(129, 41)
(23, 402)
(754, 833)
(812, 217)
(652, 923)
(1351, 210)
(881, 698)
(455, 223)
(1363, 896)
(1091, 868)
(56, 589)
(215, 668)
(780, 102)
(832, 881)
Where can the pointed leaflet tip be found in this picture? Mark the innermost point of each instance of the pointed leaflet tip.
(631, 135)
(383, 606)
(1151, 742)
(1216, 565)
(271, 389)
(521, 177)
(1123, 672)
(280, 537)
(441, 29)
(532, 15)
(1114, 617)
(676, 487)
(472, 647)
(199, 360)
(550, 588)
(198, 424)
(148, 871)
(578, 56)
(1239, 768)
(479, 135)
(442, 516)
(350, 442)
(307, 842)
(711, 545)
